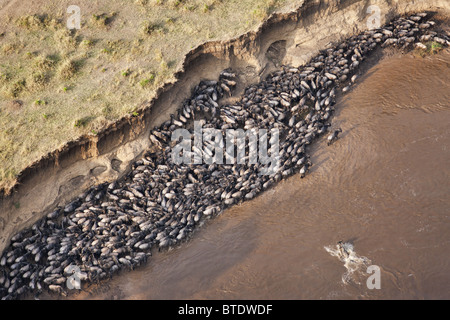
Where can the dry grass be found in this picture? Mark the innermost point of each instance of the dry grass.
(68, 69)
(87, 78)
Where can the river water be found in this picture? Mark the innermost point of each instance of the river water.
(384, 187)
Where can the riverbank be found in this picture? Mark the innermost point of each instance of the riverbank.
(59, 86)
(156, 223)
(64, 174)
(382, 187)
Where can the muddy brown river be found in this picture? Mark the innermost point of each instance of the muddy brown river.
(383, 187)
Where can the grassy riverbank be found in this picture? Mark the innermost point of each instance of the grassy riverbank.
(57, 84)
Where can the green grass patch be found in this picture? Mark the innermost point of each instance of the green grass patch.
(83, 122)
(432, 47)
(103, 19)
(145, 82)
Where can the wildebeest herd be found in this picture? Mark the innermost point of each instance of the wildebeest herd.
(115, 225)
